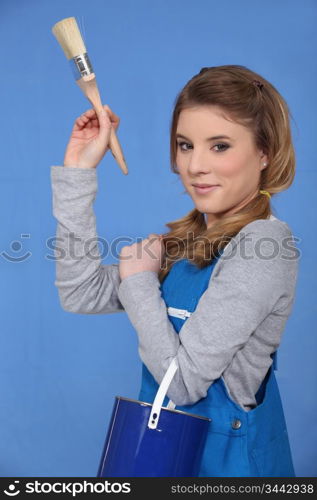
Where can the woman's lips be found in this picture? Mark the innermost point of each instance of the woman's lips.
(203, 190)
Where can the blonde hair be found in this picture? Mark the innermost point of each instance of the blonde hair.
(261, 108)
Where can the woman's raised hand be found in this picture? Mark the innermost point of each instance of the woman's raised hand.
(89, 140)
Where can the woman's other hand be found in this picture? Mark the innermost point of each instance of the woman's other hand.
(146, 255)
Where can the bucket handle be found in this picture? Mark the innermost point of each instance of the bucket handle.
(160, 395)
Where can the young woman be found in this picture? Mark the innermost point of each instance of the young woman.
(215, 291)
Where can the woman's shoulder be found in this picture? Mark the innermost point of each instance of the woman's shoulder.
(270, 225)
(261, 229)
(271, 236)
(263, 251)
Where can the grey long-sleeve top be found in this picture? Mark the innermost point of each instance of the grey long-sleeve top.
(238, 322)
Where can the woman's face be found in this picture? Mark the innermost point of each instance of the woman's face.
(232, 163)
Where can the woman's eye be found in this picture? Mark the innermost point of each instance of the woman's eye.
(180, 144)
(224, 146)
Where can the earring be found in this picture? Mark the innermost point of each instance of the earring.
(264, 164)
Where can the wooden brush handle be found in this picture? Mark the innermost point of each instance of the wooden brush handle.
(88, 85)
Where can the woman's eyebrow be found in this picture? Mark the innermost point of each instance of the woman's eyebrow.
(209, 138)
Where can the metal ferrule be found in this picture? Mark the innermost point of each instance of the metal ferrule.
(81, 66)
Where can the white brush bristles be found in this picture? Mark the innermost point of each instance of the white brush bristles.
(68, 36)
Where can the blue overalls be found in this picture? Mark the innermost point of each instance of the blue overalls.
(240, 443)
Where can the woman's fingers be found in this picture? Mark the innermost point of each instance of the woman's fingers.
(91, 113)
(112, 114)
(89, 118)
(155, 236)
(82, 119)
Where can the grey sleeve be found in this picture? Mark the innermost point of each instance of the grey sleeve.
(246, 286)
(84, 284)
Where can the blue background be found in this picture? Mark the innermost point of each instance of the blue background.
(60, 371)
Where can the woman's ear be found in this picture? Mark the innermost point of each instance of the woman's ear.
(264, 160)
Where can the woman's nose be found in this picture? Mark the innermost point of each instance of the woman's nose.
(198, 162)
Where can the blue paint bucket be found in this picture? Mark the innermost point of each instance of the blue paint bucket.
(148, 440)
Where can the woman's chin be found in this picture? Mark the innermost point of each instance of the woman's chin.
(203, 206)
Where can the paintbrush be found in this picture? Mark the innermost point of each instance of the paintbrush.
(69, 37)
